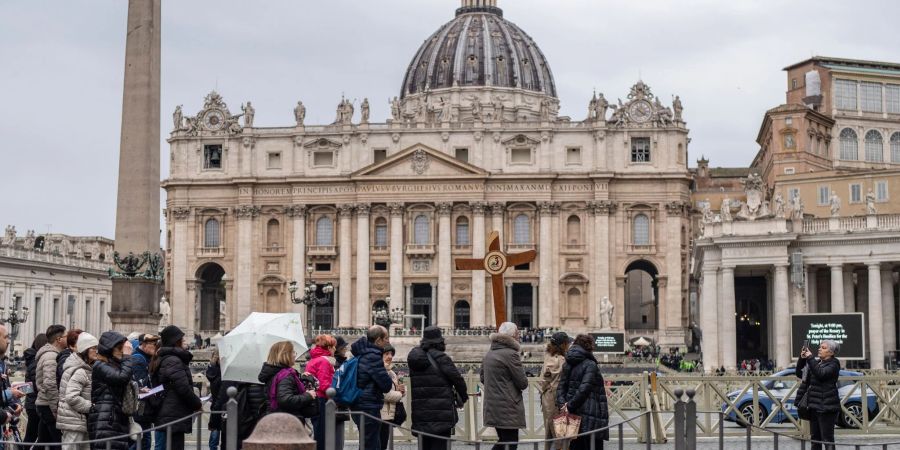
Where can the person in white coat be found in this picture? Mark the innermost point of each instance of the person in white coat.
(75, 393)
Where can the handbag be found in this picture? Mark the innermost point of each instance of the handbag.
(458, 401)
(399, 415)
(565, 424)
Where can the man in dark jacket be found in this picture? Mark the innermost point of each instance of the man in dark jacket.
(373, 380)
(434, 390)
(143, 353)
(174, 373)
(31, 430)
(583, 393)
(47, 400)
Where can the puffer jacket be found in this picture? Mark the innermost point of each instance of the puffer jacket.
(372, 378)
(180, 401)
(75, 395)
(61, 358)
(504, 381)
(391, 398)
(30, 356)
(291, 399)
(821, 385)
(582, 389)
(432, 405)
(109, 380)
(45, 378)
(321, 365)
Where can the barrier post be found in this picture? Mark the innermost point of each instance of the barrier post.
(690, 421)
(679, 420)
(330, 408)
(231, 419)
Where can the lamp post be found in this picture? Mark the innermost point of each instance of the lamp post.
(387, 318)
(14, 319)
(310, 298)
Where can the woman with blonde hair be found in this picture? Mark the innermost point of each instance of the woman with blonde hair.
(286, 392)
(554, 360)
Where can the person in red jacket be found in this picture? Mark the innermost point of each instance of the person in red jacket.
(321, 365)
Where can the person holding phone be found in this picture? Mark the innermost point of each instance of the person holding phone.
(820, 375)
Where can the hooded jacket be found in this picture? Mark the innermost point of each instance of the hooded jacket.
(582, 389)
(504, 380)
(75, 395)
(109, 380)
(30, 356)
(432, 401)
(372, 378)
(289, 397)
(321, 365)
(180, 401)
(45, 377)
(821, 385)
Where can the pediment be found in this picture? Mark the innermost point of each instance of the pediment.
(420, 161)
(322, 143)
(521, 139)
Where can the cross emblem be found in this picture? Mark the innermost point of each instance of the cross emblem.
(495, 262)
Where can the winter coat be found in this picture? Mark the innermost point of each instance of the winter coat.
(140, 363)
(582, 389)
(504, 380)
(75, 395)
(372, 378)
(432, 405)
(30, 356)
(321, 365)
(179, 401)
(289, 397)
(392, 397)
(108, 383)
(550, 375)
(821, 385)
(60, 362)
(45, 378)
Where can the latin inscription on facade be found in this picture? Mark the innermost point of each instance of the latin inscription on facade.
(287, 191)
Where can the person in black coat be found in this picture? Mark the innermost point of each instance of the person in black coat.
(373, 380)
(433, 394)
(291, 396)
(110, 376)
(582, 392)
(30, 355)
(820, 375)
(171, 369)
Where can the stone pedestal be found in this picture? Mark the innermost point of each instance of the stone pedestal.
(137, 306)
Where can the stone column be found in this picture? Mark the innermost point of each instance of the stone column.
(396, 288)
(345, 302)
(445, 267)
(672, 311)
(545, 318)
(876, 328)
(837, 288)
(554, 258)
(497, 222)
(407, 304)
(849, 297)
(180, 306)
(812, 297)
(728, 338)
(244, 277)
(297, 213)
(709, 319)
(478, 300)
(887, 304)
(363, 302)
(431, 312)
(619, 303)
(782, 317)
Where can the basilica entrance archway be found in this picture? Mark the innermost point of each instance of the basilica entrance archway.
(422, 296)
(752, 317)
(641, 296)
(522, 305)
(212, 291)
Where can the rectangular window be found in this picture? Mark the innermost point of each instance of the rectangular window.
(323, 159)
(640, 150)
(845, 94)
(380, 266)
(892, 98)
(56, 310)
(855, 193)
(462, 154)
(323, 267)
(824, 195)
(573, 155)
(525, 267)
(789, 171)
(274, 161)
(212, 156)
(881, 191)
(520, 156)
(379, 155)
(870, 94)
(792, 193)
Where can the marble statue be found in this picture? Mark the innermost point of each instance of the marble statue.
(476, 109)
(545, 110)
(10, 236)
(498, 105)
(797, 207)
(446, 110)
(835, 203)
(778, 200)
(178, 118)
(300, 113)
(592, 108)
(29, 239)
(249, 114)
(164, 312)
(364, 111)
(706, 210)
(677, 107)
(607, 309)
(601, 107)
(725, 210)
(79, 250)
(395, 108)
(870, 202)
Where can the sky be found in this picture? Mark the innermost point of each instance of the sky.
(61, 70)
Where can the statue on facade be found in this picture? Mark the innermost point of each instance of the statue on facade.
(364, 111)
(592, 108)
(29, 239)
(706, 211)
(797, 207)
(446, 110)
(345, 112)
(9, 238)
(754, 188)
(725, 210)
(164, 312)
(300, 113)
(678, 108)
(663, 113)
(476, 109)
(178, 118)
(395, 108)
(778, 200)
(545, 110)
(79, 250)
(192, 125)
(498, 105)
(870, 202)
(835, 203)
(601, 107)
(249, 114)
(607, 310)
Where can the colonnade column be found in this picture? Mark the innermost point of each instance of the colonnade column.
(178, 290)
(363, 301)
(445, 268)
(727, 320)
(297, 213)
(345, 258)
(709, 320)
(396, 266)
(243, 279)
(545, 294)
(837, 288)
(849, 297)
(812, 296)
(876, 329)
(600, 281)
(478, 303)
(782, 317)
(887, 304)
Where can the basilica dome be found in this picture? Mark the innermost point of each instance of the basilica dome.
(479, 48)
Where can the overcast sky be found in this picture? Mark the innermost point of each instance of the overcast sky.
(61, 68)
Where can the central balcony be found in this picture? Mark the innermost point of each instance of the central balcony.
(321, 251)
(419, 250)
(211, 252)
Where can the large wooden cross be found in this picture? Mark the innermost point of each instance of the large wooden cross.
(495, 262)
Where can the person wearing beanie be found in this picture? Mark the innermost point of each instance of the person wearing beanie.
(393, 410)
(75, 392)
(171, 369)
(504, 381)
(437, 387)
(110, 376)
(554, 359)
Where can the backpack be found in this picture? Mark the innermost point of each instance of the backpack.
(130, 401)
(344, 382)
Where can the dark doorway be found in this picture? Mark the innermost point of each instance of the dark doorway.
(641, 296)
(522, 305)
(323, 315)
(751, 319)
(421, 304)
(461, 314)
(211, 293)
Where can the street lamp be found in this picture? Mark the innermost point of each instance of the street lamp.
(385, 318)
(310, 298)
(14, 319)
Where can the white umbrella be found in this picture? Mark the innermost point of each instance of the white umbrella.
(641, 341)
(243, 351)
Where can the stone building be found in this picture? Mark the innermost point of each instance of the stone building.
(60, 279)
(382, 208)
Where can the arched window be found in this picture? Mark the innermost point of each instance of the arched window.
(641, 230)
(849, 145)
(522, 229)
(573, 229)
(461, 315)
(324, 231)
(381, 232)
(874, 146)
(273, 233)
(462, 230)
(895, 147)
(421, 230)
(211, 234)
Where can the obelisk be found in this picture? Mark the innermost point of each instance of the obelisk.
(137, 275)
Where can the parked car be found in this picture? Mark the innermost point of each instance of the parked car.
(784, 391)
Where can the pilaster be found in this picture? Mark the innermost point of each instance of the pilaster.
(345, 258)
(363, 302)
(478, 283)
(445, 268)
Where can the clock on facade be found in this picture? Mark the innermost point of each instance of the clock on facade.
(214, 120)
(640, 111)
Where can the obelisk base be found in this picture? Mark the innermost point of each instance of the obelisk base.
(130, 301)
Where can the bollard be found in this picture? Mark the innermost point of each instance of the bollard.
(279, 431)
(690, 421)
(679, 420)
(330, 408)
(231, 419)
